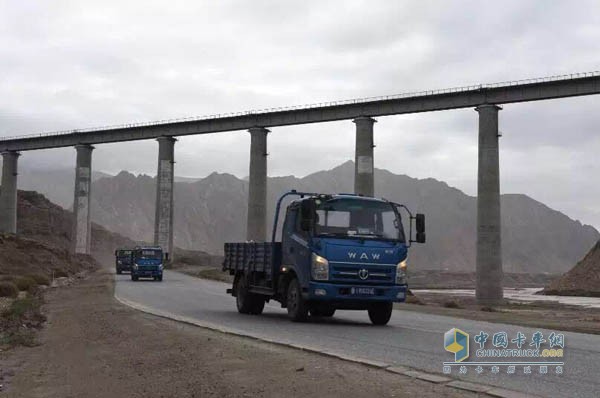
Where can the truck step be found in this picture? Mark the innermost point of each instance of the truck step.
(266, 291)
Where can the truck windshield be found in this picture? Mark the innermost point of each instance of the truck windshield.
(354, 217)
(149, 255)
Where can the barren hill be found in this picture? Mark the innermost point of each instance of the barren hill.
(43, 221)
(581, 280)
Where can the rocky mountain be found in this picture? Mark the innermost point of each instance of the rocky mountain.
(56, 184)
(581, 280)
(212, 210)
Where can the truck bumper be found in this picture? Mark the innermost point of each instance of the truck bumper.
(146, 273)
(348, 294)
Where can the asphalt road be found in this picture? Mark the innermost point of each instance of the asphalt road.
(411, 339)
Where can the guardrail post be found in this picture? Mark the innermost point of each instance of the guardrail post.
(489, 245)
(82, 226)
(256, 226)
(8, 192)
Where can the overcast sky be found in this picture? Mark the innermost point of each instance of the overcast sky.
(77, 64)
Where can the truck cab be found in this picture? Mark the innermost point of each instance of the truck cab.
(337, 251)
(123, 260)
(147, 263)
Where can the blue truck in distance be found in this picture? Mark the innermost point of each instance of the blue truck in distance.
(338, 251)
(123, 260)
(147, 262)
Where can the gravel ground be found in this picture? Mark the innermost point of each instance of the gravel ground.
(93, 346)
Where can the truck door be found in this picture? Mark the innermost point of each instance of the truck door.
(294, 246)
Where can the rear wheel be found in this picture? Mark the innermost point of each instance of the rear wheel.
(247, 302)
(296, 306)
(380, 313)
(258, 305)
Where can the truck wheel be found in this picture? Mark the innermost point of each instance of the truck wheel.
(243, 297)
(322, 312)
(119, 272)
(296, 306)
(380, 313)
(159, 278)
(134, 277)
(258, 304)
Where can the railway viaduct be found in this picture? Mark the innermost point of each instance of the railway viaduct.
(486, 99)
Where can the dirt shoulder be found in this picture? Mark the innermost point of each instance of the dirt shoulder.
(93, 346)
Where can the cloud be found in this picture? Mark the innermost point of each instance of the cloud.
(73, 65)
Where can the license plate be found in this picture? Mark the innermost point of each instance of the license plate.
(365, 291)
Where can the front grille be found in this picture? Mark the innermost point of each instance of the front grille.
(350, 273)
(147, 268)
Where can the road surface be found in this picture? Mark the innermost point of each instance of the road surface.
(411, 339)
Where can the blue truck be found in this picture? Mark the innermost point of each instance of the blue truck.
(123, 260)
(147, 263)
(339, 251)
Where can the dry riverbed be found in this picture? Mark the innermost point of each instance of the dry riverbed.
(93, 346)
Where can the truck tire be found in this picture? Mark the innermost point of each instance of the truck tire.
(258, 304)
(245, 301)
(119, 272)
(380, 313)
(134, 277)
(159, 278)
(322, 312)
(296, 306)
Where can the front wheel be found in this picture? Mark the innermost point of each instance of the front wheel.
(119, 272)
(159, 278)
(134, 277)
(380, 313)
(296, 306)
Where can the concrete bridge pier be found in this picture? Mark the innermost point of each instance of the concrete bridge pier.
(82, 226)
(163, 220)
(8, 192)
(256, 227)
(489, 245)
(363, 159)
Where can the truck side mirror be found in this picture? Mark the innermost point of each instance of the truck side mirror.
(307, 214)
(420, 228)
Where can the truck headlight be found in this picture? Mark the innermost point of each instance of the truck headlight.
(120, 262)
(135, 266)
(160, 267)
(401, 273)
(319, 269)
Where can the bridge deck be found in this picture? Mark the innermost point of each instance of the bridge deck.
(435, 100)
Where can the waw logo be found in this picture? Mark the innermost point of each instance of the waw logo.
(364, 256)
(457, 342)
